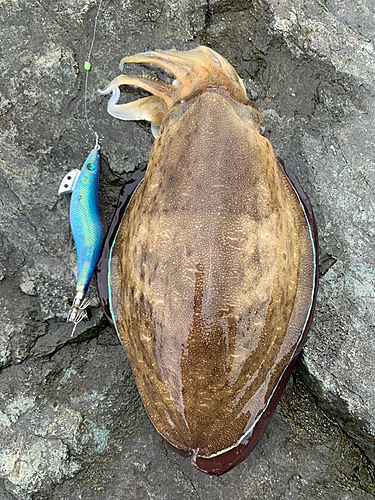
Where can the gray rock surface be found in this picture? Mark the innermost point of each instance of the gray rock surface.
(72, 425)
(338, 151)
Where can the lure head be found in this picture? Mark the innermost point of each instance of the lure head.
(86, 187)
(90, 169)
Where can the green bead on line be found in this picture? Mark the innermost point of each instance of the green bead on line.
(87, 66)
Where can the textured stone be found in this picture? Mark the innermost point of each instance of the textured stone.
(71, 421)
(337, 148)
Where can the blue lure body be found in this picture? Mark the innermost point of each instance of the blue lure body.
(86, 227)
(85, 220)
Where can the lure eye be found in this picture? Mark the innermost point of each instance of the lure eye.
(262, 130)
(91, 167)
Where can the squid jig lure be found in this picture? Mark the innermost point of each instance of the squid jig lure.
(85, 220)
(86, 227)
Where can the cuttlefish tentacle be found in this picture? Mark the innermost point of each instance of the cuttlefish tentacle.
(178, 66)
(199, 61)
(148, 108)
(200, 68)
(181, 67)
(151, 108)
(156, 87)
(194, 71)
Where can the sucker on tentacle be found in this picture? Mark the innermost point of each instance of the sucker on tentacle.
(86, 227)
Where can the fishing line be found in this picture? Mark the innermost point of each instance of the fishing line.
(87, 67)
(84, 213)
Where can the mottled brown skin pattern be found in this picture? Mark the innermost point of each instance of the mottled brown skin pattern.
(205, 276)
(212, 274)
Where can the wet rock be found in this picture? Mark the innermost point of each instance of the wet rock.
(71, 421)
(337, 150)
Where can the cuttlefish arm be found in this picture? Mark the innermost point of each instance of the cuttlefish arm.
(150, 108)
(193, 70)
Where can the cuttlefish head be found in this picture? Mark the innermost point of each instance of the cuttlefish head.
(195, 71)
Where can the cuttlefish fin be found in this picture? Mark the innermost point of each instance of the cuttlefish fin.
(194, 70)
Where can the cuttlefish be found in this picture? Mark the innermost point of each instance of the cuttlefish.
(209, 270)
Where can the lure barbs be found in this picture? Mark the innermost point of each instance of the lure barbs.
(86, 227)
(78, 311)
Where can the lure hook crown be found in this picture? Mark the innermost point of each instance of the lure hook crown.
(78, 311)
